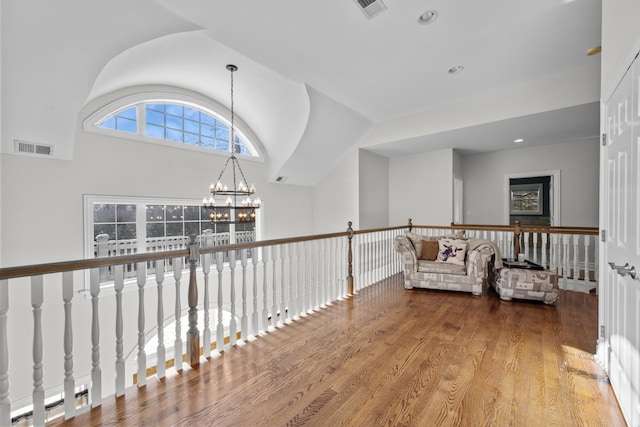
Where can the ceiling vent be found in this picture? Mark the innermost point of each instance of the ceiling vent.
(33, 149)
(282, 179)
(371, 8)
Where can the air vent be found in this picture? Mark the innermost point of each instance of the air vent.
(281, 178)
(371, 8)
(31, 148)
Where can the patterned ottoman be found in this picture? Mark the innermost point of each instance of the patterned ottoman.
(537, 285)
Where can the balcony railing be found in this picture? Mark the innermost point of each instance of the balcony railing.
(79, 342)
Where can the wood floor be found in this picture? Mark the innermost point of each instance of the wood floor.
(394, 357)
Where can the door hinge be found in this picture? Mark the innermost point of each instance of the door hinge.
(603, 235)
(601, 331)
(604, 139)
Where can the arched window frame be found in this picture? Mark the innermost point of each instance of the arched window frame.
(209, 106)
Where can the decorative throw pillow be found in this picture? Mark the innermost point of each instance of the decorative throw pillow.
(452, 251)
(430, 250)
(417, 239)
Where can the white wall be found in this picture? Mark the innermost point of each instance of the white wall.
(578, 162)
(421, 188)
(374, 190)
(49, 224)
(335, 198)
(620, 40)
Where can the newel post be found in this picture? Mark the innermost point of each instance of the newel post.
(193, 336)
(517, 232)
(350, 260)
(410, 225)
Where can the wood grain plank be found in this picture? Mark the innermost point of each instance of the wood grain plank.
(391, 356)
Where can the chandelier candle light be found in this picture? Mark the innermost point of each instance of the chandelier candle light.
(232, 205)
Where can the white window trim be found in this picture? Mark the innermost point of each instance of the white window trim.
(209, 106)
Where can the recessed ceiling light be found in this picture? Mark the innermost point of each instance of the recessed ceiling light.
(519, 140)
(456, 69)
(594, 50)
(428, 17)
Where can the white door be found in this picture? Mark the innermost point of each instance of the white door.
(620, 294)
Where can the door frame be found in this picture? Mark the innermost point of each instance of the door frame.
(554, 192)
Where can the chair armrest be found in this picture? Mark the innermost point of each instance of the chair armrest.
(403, 245)
(478, 261)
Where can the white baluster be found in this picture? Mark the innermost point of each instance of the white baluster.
(545, 259)
(293, 283)
(233, 325)
(554, 253)
(244, 320)
(508, 253)
(177, 343)
(286, 281)
(264, 324)
(535, 256)
(161, 359)
(69, 381)
(322, 282)
(142, 355)
(118, 286)
(96, 372)
(37, 298)
(378, 259)
(300, 277)
(206, 332)
(220, 325)
(596, 262)
(305, 296)
(330, 269)
(255, 320)
(313, 272)
(587, 275)
(274, 283)
(5, 403)
(565, 258)
(576, 270)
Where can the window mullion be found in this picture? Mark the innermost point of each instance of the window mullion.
(141, 227)
(142, 119)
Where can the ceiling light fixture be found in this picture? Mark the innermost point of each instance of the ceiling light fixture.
(594, 50)
(518, 140)
(232, 205)
(428, 17)
(455, 70)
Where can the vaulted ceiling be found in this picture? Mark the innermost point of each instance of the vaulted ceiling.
(315, 79)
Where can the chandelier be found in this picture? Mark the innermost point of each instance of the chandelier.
(234, 204)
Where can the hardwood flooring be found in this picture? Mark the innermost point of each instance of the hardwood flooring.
(394, 357)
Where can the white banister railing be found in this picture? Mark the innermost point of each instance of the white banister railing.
(260, 286)
(249, 288)
(571, 252)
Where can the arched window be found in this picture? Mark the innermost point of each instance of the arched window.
(178, 120)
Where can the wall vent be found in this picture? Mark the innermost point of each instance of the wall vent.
(31, 148)
(371, 8)
(281, 179)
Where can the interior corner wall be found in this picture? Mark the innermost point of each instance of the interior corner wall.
(373, 171)
(335, 198)
(577, 161)
(421, 188)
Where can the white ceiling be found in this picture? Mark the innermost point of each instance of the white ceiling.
(302, 63)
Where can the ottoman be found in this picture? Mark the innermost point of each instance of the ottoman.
(537, 285)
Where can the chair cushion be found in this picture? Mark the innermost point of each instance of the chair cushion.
(441, 268)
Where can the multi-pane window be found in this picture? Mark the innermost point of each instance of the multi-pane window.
(125, 226)
(124, 121)
(116, 220)
(178, 123)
